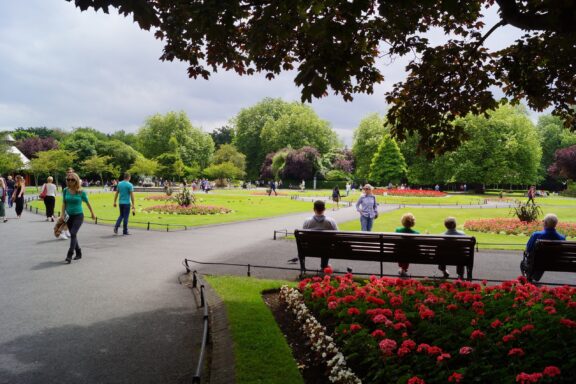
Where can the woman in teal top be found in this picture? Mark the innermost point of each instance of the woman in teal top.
(72, 198)
(408, 221)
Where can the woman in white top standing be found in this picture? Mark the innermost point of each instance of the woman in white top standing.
(49, 198)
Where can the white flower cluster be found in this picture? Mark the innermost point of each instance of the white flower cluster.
(321, 343)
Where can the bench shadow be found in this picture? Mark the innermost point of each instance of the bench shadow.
(150, 347)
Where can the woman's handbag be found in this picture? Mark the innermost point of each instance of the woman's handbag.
(43, 193)
(59, 226)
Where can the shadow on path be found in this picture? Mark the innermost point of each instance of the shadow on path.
(134, 349)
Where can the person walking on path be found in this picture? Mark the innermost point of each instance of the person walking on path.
(18, 195)
(10, 184)
(49, 197)
(3, 193)
(408, 221)
(336, 197)
(348, 187)
(548, 233)
(126, 191)
(450, 224)
(367, 207)
(531, 194)
(72, 198)
(272, 188)
(320, 222)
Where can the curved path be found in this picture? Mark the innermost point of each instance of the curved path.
(119, 315)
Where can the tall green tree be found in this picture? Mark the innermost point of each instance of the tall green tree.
(144, 167)
(9, 162)
(122, 155)
(194, 146)
(84, 142)
(298, 127)
(57, 161)
(367, 138)
(248, 125)
(223, 135)
(100, 165)
(388, 164)
(553, 136)
(227, 153)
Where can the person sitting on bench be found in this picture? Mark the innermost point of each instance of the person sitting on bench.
(408, 221)
(549, 233)
(450, 224)
(320, 222)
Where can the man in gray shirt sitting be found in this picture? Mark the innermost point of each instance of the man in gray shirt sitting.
(450, 224)
(320, 222)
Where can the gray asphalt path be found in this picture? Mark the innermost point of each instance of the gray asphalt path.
(119, 315)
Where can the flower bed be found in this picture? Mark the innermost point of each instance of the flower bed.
(409, 192)
(408, 331)
(513, 226)
(159, 198)
(187, 210)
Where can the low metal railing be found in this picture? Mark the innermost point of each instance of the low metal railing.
(197, 378)
(318, 272)
(149, 225)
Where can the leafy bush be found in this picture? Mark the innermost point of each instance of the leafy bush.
(408, 331)
(184, 198)
(528, 212)
(337, 175)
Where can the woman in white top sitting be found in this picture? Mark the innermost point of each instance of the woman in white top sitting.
(49, 198)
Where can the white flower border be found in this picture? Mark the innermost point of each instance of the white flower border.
(320, 341)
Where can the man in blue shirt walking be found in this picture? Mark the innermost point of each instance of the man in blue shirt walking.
(549, 233)
(126, 191)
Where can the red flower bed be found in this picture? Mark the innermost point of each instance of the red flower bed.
(408, 331)
(187, 210)
(409, 192)
(513, 226)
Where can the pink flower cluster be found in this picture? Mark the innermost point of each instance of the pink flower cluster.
(513, 226)
(409, 192)
(407, 322)
(187, 210)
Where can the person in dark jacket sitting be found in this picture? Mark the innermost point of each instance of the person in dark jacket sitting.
(548, 233)
(320, 222)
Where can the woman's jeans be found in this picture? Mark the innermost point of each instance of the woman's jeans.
(74, 223)
(19, 205)
(49, 202)
(124, 216)
(366, 223)
(9, 197)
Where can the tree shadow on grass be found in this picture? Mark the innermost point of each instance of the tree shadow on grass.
(151, 347)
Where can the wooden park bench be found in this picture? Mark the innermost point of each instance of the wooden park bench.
(386, 248)
(551, 256)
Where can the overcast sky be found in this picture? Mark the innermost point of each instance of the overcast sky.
(60, 67)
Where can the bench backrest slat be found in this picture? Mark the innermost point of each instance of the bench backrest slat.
(386, 247)
(554, 255)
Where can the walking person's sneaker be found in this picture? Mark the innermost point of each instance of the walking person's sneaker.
(115, 230)
(63, 236)
(78, 254)
(126, 234)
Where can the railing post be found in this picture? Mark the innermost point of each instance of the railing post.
(167, 227)
(248, 270)
(148, 227)
(96, 220)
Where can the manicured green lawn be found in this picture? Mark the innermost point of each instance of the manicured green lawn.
(244, 207)
(432, 220)
(262, 354)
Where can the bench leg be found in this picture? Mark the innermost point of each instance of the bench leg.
(469, 273)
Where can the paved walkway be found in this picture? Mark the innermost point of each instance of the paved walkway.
(119, 315)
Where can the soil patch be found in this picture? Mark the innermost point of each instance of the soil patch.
(311, 368)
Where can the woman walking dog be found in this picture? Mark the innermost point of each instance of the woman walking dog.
(72, 198)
